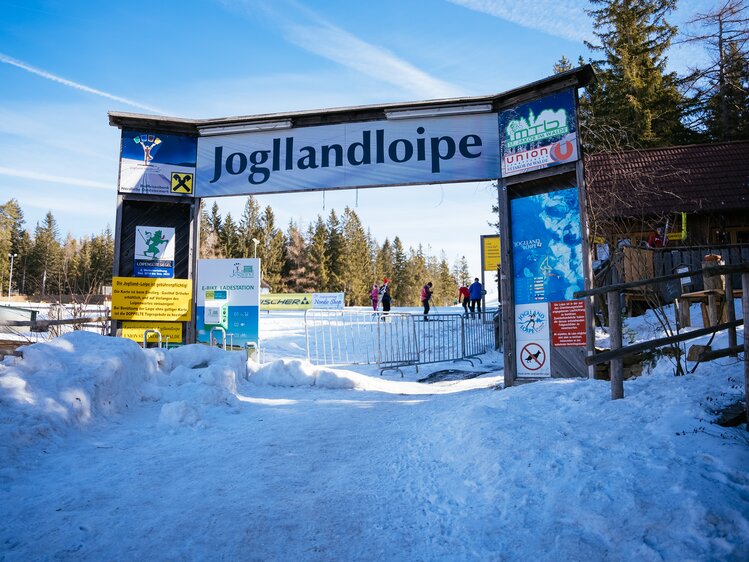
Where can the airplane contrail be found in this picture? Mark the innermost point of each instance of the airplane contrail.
(54, 178)
(49, 76)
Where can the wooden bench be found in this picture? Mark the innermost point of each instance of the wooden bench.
(711, 303)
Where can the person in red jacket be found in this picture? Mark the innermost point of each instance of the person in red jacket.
(657, 239)
(464, 297)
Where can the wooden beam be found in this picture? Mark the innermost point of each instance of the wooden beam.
(708, 271)
(719, 353)
(38, 323)
(660, 342)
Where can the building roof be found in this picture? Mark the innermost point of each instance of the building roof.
(694, 178)
(574, 78)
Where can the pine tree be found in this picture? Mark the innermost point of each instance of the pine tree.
(71, 267)
(416, 276)
(357, 264)
(720, 90)
(448, 284)
(318, 262)
(46, 258)
(229, 238)
(271, 250)
(401, 283)
(334, 252)
(461, 273)
(635, 102)
(215, 218)
(249, 227)
(101, 261)
(11, 229)
(562, 65)
(210, 227)
(385, 261)
(297, 276)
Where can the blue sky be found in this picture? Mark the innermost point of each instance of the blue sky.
(64, 64)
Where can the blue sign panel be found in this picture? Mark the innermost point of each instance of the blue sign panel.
(157, 163)
(547, 249)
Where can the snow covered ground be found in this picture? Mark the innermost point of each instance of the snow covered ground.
(111, 452)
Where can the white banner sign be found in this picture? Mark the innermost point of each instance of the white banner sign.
(368, 154)
(328, 301)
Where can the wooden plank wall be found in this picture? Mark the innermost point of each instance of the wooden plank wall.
(667, 260)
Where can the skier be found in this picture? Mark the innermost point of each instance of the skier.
(374, 295)
(385, 295)
(476, 291)
(464, 297)
(426, 296)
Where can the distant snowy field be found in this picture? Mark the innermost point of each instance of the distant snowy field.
(111, 452)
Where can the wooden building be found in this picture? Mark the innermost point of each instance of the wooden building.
(633, 192)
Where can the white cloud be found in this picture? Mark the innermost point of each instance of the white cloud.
(49, 76)
(560, 18)
(90, 210)
(27, 174)
(316, 35)
(344, 48)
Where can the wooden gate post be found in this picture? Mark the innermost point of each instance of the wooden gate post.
(615, 343)
(745, 309)
(730, 311)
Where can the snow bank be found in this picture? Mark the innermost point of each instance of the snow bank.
(294, 372)
(70, 380)
(80, 378)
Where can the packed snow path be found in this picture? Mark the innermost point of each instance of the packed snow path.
(300, 463)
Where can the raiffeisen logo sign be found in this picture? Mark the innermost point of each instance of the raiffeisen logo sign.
(368, 154)
(539, 134)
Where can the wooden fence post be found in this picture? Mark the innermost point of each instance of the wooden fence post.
(745, 309)
(615, 343)
(730, 311)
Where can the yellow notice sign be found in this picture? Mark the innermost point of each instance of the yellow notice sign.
(136, 298)
(490, 252)
(286, 301)
(134, 331)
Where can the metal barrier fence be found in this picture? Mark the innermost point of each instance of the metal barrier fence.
(394, 340)
(482, 334)
(345, 337)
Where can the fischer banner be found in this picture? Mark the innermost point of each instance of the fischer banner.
(363, 154)
(301, 301)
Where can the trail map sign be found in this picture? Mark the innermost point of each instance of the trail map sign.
(543, 219)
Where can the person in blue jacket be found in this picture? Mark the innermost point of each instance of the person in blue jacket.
(476, 291)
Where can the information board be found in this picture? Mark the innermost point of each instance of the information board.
(135, 330)
(151, 299)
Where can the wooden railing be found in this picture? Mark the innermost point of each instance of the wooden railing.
(43, 325)
(618, 351)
